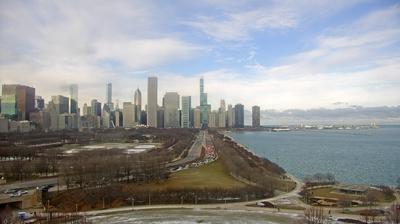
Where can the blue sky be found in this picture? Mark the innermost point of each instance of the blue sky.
(276, 54)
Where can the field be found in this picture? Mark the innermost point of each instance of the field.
(330, 192)
(213, 175)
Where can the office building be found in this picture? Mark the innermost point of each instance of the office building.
(186, 111)
(213, 119)
(95, 108)
(61, 104)
(152, 102)
(255, 115)
(118, 118)
(160, 117)
(106, 116)
(17, 101)
(171, 110)
(239, 116)
(204, 107)
(73, 97)
(39, 103)
(109, 102)
(40, 119)
(197, 117)
(128, 114)
(222, 115)
(230, 113)
(137, 100)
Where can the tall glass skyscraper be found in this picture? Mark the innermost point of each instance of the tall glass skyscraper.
(204, 107)
(239, 115)
(73, 97)
(137, 100)
(186, 108)
(17, 101)
(152, 101)
(109, 96)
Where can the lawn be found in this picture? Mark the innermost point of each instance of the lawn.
(213, 175)
(330, 192)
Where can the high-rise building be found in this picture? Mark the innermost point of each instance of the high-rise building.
(204, 107)
(171, 110)
(73, 97)
(109, 102)
(230, 116)
(96, 107)
(222, 115)
(61, 104)
(137, 100)
(128, 114)
(186, 109)
(197, 117)
(17, 101)
(255, 115)
(239, 115)
(152, 102)
(39, 103)
(160, 117)
(106, 116)
(213, 119)
(118, 118)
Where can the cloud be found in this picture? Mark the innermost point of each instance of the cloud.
(239, 21)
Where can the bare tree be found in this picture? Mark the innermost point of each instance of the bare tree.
(393, 215)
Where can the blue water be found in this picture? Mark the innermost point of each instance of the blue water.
(366, 156)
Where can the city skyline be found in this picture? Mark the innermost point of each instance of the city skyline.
(310, 57)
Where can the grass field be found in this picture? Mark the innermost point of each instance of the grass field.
(213, 175)
(330, 192)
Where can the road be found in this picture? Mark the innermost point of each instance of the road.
(29, 184)
(194, 151)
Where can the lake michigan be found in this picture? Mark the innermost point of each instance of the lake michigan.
(360, 156)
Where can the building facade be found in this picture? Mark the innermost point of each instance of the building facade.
(239, 116)
(186, 111)
(152, 101)
(137, 100)
(171, 110)
(255, 116)
(73, 98)
(17, 101)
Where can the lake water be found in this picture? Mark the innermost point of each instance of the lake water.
(364, 156)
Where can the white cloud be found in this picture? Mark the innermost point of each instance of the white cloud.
(238, 21)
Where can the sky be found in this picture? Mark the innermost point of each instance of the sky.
(280, 55)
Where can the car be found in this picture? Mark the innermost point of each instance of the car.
(17, 194)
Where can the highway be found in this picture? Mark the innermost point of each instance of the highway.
(194, 151)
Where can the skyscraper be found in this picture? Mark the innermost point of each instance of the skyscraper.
(109, 102)
(197, 119)
(171, 109)
(186, 109)
(204, 107)
(239, 115)
(17, 101)
(73, 98)
(39, 103)
(230, 116)
(152, 102)
(96, 107)
(222, 115)
(128, 115)
(61, 104)
(255, 115)
(137, 100)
